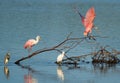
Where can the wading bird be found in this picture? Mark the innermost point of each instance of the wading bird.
(88, 20)
(6, 59)
(60, 57)
(30, 43)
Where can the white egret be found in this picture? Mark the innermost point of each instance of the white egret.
(60, 57)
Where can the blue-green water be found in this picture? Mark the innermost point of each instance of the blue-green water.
(53, 20)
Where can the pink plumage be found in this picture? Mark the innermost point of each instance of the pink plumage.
(31, 42)
(88, 20)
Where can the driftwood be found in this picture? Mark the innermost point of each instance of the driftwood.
(103, 55)
(68, 43)
(106, 56)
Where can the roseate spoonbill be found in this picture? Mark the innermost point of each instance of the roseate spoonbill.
(60, 57)
(30, 43)
(6, 59)
(88, 20)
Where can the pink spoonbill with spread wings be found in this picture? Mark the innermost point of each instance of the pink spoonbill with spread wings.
(30, 43)
(88, 20)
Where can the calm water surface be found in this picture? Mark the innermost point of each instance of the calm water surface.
(53, 20)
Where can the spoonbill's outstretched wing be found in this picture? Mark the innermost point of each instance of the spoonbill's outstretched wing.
(89, 18)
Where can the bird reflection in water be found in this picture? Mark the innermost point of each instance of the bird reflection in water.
(29, 79)
(6, 72)
(60, 73)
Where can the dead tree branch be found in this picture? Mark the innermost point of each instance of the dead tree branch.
(56, 47)
(67, 44)
(103, 55)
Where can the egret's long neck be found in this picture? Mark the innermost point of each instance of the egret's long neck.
(63, 53)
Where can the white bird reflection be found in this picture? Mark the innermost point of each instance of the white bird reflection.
(60, 73)
(6, 72)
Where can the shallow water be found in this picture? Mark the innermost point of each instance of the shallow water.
(53, 21)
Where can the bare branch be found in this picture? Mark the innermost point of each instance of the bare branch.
(49, 49)
(67, 44)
